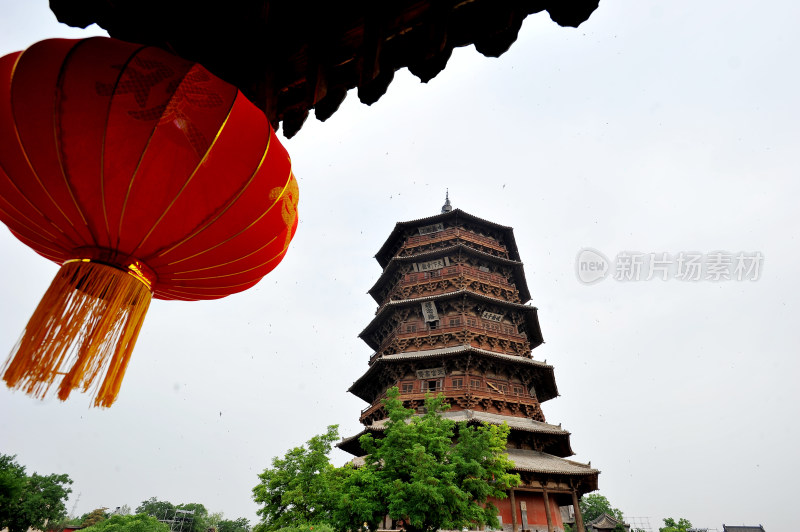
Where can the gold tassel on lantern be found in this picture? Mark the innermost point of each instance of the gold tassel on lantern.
(86, 324)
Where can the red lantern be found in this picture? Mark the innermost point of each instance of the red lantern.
(143, 175)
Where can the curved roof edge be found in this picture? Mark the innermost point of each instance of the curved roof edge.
(511, 243)
(522, 286)
(458, 350)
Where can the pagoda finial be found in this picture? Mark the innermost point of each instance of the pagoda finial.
(447, 207)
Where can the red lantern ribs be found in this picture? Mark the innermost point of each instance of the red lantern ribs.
(142, 175)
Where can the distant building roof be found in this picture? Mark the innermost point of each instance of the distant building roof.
(605, 522)
(742, 528)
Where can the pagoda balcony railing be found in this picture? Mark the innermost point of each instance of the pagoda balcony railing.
(484, 392)
(519, 337)
(449, 234)
(450, 272)
(464, 274)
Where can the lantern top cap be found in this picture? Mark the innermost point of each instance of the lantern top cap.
(447, 207)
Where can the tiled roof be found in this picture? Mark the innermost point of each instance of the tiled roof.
(511, 244)
(743, 528)
(290, 56)
(537, 462)
(446, 295)
(544, 394)
(524, 291)
(534, 462)
(516, 423)
(604, 522)
(462, 349)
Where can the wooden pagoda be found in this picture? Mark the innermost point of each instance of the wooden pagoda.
(453, 319)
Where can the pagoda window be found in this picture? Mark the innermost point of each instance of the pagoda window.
(408, 387)
(475, 384)
(455, 321)
(471, 321)
(412, 327)
(432, 325)
(432, 386)
(518, 390)
(434, 273)
(457, 383)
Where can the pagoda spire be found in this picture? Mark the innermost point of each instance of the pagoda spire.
(447, 207)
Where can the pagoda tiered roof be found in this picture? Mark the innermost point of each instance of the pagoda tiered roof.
(539, 462)
(387, 251)
(395, 262)
(558, 444)
(534, 330)
(546, 388)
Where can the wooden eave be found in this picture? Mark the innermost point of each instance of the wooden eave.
(519, 271)
(559, 446)
(384, 254)
(291, 56)
(546, 387)
(534, 330)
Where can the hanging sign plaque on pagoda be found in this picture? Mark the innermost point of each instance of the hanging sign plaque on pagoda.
(430, 373)
(433, 228)
(429, 311)
(436, 264)
(491, 316)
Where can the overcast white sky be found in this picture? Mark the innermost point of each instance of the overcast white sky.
(654, 127)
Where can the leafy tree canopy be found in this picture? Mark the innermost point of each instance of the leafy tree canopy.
(197, 519)
(95, 516)
(594, 505)
(129, 523)
(298, 489)
(234, 525)
(193, 522)
(670, 525)
(30, 501)
(156, 508)
(428, 471)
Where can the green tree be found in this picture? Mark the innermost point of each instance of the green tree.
(94, 517)
(213, 519)
(30, 501)
(155, 508)
(129, 523)
(198, 518)
(594, 505)
(234, 525)
(428, 471)
(297, 489)
(682, 525)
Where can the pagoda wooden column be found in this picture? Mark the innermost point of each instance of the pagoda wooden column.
(576, 507)
(547, 509)
(513, 510)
